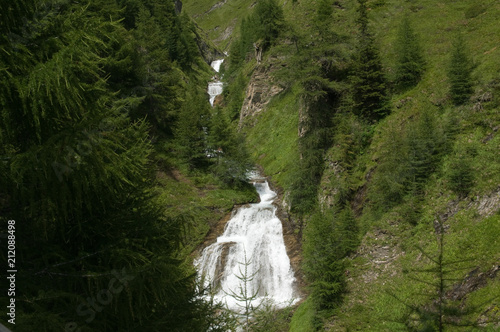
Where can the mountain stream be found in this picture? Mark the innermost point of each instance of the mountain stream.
(215, 87)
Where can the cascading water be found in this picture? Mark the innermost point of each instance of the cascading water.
(251, 251)
(215, 88)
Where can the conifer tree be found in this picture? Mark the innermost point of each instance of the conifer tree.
(368, 79)
(191, 130)
(328, 238)
(76, 176)
(270, 21)
(410, 62)
(226, 147)
(459, 72)
(440, 313)
(158, 78)
(323, 16)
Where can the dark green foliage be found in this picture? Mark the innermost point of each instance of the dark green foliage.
(77, 174)
(368, 80)
(191, 136)
(328, 239)
(305, 180)
(459, 72)
(324, 12)
(269, 319)
(459, 172)
(227, 150)
(410, 62)
(407, 161)
(262, 28)
(351, 136)
(269, 19)
(156, 75)
(320, 74)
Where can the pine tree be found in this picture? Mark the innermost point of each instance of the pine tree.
(323, 16)
(459, 72)
(245, 295)
(410, 62)
(226, 147)
(368, 79)
(158, 77)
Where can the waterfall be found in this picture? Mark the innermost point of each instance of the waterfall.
(253, 235)
(215, 88)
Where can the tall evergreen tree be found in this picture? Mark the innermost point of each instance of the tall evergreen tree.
(328, 238)
(368, 80)
(270, 21)
(159, 80)
(410, 62)
(97, 251)
(459, 72)
(192, 130)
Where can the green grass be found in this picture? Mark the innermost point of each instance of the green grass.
(303, 318)
(272, 138)
(216, 22)
(199, 202)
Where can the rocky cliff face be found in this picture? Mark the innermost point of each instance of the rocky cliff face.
(208, 51)
(261, 89)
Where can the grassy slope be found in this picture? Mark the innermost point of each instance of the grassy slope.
(215, 22)
(368, 306)
(273, 139)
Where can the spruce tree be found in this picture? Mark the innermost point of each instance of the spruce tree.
(328, 238)
(192, 129)
(459, 72)
(410, 62)
(368, 80)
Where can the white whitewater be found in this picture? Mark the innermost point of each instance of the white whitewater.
(255, 235)
(215, 88)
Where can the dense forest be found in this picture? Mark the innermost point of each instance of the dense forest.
(100, 101)
(376, 120)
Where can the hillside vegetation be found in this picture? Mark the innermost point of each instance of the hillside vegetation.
(384, 138)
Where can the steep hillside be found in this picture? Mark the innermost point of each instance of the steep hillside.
(219, 18)
(418, 188)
